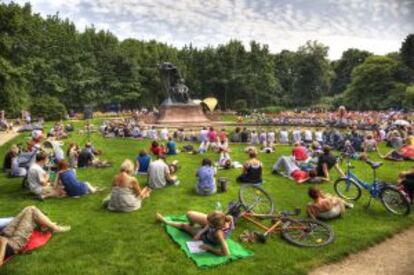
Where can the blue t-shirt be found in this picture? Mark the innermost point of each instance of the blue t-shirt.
(205, 176)
(171, 148)
(144, 163)
(73, 187)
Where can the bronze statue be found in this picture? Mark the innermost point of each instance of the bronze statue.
(173, 84)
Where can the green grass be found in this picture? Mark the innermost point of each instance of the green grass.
(102, 242)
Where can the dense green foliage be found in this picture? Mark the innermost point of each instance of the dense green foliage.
(101, 242)
(48, 56)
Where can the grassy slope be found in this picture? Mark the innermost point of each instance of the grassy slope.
(104, 242)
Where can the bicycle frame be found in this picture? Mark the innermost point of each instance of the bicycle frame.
(372, 187)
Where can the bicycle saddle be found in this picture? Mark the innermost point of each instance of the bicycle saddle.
(374, 165)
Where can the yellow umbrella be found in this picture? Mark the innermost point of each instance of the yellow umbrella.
(211, 103)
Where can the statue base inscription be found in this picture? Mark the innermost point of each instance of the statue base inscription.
(181, 113)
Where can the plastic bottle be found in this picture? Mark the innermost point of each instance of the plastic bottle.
(218, 206)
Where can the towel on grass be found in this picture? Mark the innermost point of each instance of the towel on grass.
(204, 259)
(36, 240)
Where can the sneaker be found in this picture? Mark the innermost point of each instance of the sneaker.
(177, 182)
(349, 205)
(62, 229)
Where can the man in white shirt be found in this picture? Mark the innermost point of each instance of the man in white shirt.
(164, 134)
(159, 174)
(308, 136)
(297, 135)
(284, 136)
(38, 179)
(319, 136)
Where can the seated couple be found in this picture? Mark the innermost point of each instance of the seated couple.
(11, 163)
(169, 149)
(126, 194)
(160, 174)
(212, 229)
(289, 167)
(88, 157)
(325, 206)
(15, 232)
(65, 183)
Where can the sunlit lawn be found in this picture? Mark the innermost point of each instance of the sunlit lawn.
(102, 242)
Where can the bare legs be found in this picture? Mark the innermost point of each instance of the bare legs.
(193, 218)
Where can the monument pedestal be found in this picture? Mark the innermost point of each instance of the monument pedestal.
(181, 113)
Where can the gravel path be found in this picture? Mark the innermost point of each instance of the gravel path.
(394, 256)
(5, 137)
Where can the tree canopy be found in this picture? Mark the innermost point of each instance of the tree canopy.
(49, 58)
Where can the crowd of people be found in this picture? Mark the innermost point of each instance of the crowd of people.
(311, 160)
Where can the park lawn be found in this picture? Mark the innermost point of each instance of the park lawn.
(102, 242)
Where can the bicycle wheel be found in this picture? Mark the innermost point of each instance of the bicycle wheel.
(307, 232)
(394, 201)
(256, 200)
(347, 189)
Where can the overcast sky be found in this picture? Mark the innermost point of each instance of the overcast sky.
(375, 25)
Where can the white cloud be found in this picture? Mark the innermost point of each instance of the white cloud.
(375, 25)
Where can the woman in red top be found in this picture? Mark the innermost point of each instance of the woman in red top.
(157, 149)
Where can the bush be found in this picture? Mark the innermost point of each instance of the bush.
(240, 105)
(272, 109)
(48, 107)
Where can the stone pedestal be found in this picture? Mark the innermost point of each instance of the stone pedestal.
(181, 113)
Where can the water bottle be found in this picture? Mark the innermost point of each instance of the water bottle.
(218, 206)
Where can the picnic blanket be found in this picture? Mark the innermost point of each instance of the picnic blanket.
(205, 259)
(36, 240)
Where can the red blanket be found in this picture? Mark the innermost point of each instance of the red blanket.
(36, 240)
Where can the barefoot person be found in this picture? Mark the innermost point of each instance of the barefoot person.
(325, 206)
(127, 195)
(14, 236)
(215, 228)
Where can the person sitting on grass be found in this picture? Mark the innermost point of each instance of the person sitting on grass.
(287, 167)
(7, 162)
(160, 174)
(73, 154)
(252, 170)
(325, 162)
(369, 144)
(38, 179)
(16, 170)
(15, 235)
(87, 157)
(203, 147)
(171, 147)
(325, 206)
(206, 184)
(142, 163)
(66, 177)
(215, 228)
(156, 149)
(126, 195)
(406, 180)
(300, 152)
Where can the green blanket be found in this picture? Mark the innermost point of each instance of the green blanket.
(205, 259)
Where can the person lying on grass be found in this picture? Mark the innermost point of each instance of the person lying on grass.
(215, 228)
(325, 206)
(15, 234)
(66, 177)
(405, 152)
(126, 195)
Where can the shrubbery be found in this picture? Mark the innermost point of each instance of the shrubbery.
(48, 107)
